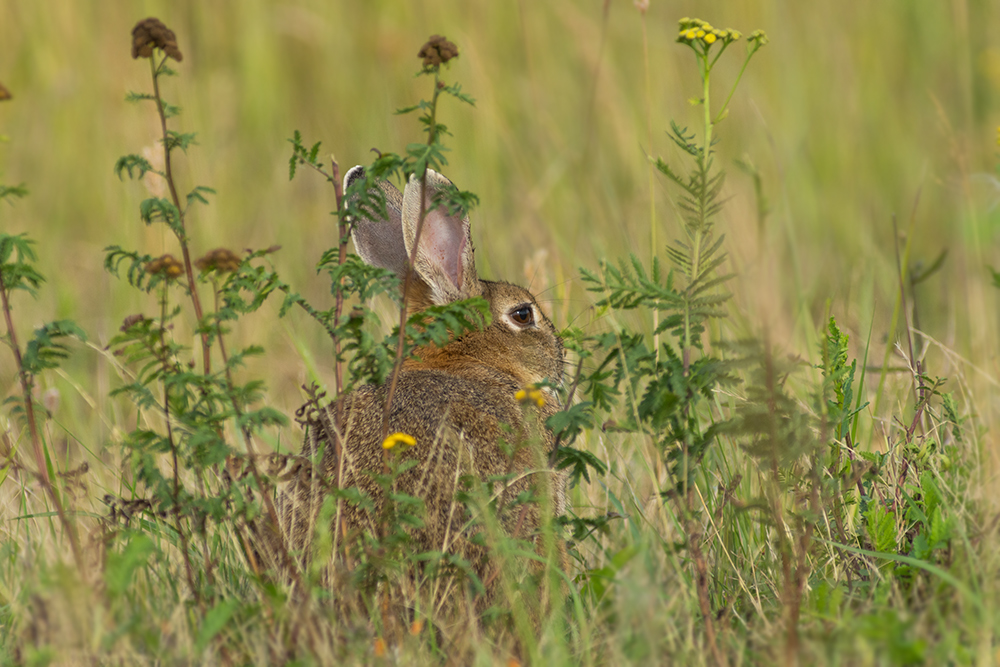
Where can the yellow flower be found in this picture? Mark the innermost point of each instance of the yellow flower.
(398, 439)
(691, 34)
(534, 395)
(709, 38)
(700, 34)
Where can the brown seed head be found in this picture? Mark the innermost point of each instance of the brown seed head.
(132, 320)
(220, 259)
(437, 50)
(167, 266)
(151, 33)
(4, 93)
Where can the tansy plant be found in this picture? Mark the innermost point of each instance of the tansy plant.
(667, 389)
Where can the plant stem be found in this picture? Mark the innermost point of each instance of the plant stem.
(272, 513)
(725, 105)
(407, 280)
(165, 361)
(652, 182)
(343, 232)
(36, 441)
(182, 235)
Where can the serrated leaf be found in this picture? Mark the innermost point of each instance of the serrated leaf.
(881, 527)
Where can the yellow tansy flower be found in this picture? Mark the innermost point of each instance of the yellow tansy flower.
(398, 439)
(533, 395)
(709, 38)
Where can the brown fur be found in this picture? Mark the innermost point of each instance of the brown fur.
(457, 401)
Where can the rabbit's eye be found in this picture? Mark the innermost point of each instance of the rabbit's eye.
(523, 315)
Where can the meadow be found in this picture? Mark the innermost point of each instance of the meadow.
(844, 516)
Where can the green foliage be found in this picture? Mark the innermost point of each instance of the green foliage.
(128, 163)
(758, 516)
(121, 566)
(17, 259)
(44, 350)
(136, 274)
(12, 191)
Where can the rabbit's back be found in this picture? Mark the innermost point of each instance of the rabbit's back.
(461, 427)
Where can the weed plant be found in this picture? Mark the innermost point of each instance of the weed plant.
(725, 509)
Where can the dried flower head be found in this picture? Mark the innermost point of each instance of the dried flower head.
(220, 259)
(167, 266)
(436, 51)
(4, 93)
(132, 320)
(151, 33)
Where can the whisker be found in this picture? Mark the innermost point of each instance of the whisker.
(552, 287)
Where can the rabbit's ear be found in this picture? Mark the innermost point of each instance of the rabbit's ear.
(444, 259)
(379, 240)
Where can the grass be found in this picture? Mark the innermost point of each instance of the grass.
(853, 114)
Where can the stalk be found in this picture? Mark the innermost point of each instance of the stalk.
(407, 280)
(182, 237)
(36, 441)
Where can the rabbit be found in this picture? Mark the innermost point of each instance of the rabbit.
(459, 402)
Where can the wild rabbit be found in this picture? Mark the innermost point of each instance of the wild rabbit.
(460, 403)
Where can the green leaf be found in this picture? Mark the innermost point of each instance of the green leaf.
(198, 194)
(156, 209)
(578, 461)
(13, 191)
(121, 566)
(938, 572)
(180, 140)
(881, 527)
(215, 620)
(19, 273)
(43, 351)
(138, 97)
(919, 274)
(129, 163)
(455, 90)
(930, 492)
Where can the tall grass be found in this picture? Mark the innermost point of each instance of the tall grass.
(854, 115)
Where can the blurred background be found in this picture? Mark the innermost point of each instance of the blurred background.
(856, 115)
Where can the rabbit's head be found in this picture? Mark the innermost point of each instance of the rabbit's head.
(520, 342)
